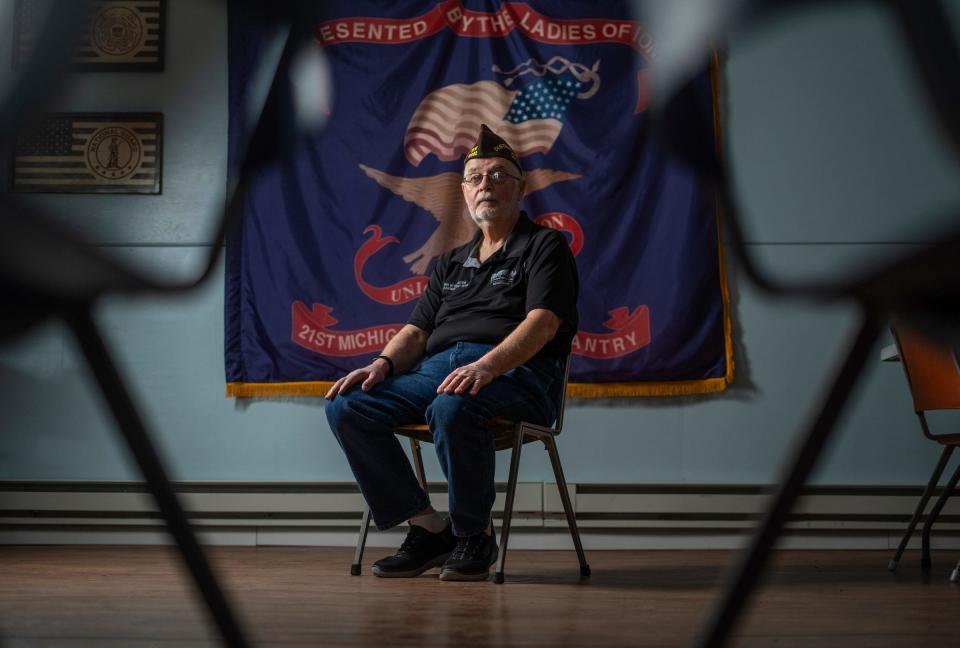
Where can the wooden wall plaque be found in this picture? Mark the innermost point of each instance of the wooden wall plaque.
(90, 153)
(119, 36)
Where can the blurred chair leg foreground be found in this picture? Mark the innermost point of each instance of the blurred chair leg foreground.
(134, 433)
(754, 560)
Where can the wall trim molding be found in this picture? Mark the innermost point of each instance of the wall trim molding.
(614, 516)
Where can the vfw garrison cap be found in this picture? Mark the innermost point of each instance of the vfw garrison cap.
(489, 145)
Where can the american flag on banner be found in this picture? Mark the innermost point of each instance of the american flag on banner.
(530, 118)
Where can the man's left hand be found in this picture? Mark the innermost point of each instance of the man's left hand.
(466, 379)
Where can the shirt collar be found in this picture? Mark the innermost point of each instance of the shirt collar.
(467, 250)
(512, 247)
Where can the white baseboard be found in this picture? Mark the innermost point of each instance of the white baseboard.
(593, 539)
(610, 516)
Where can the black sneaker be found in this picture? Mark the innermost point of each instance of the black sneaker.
(471, 558)
(420, 551)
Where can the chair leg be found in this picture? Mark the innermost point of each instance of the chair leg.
(921, 505)
(361, 542)
(365, 522)
(551, 445)
(418, 464)
(508, 506)
(934, 514)
(134, 433)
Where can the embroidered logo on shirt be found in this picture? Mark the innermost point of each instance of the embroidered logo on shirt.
(503, 277)
(449, 286)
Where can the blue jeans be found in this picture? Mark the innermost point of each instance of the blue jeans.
(364, 424)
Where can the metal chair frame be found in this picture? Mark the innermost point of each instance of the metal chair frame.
(507, 434)
(950, 443)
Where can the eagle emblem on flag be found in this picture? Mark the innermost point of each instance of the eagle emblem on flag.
(446, 122)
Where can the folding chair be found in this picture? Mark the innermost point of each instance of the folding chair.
(934, 380)
(507, 434)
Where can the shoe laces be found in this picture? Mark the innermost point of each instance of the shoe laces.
(415, 536)
(467, 548)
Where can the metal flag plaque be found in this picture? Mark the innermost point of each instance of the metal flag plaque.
(120, 36)
(90, 153)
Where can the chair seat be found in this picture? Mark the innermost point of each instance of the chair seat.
(502, 433)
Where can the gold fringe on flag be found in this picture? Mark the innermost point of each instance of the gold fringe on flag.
(630, 389)
(574, 390)
(268, 390)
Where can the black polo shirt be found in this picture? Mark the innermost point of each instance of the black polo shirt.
(469, 301)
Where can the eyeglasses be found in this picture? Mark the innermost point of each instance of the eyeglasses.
(497, 178)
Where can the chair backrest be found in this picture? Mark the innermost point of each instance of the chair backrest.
(932, 371)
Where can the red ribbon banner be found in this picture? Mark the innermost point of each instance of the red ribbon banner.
(398, 293)
(563, 223)
(478, 24)
(631, 331)
(311, 331)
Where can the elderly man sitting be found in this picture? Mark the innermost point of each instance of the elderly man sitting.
(487, 340)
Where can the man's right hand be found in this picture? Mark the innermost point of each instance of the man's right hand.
(368, 376)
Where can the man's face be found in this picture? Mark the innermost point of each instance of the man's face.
(489, 202)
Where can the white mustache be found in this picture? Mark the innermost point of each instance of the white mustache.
(487, 195)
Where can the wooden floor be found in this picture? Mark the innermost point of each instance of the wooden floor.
(138, 596)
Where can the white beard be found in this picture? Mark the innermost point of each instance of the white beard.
(486, 211)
